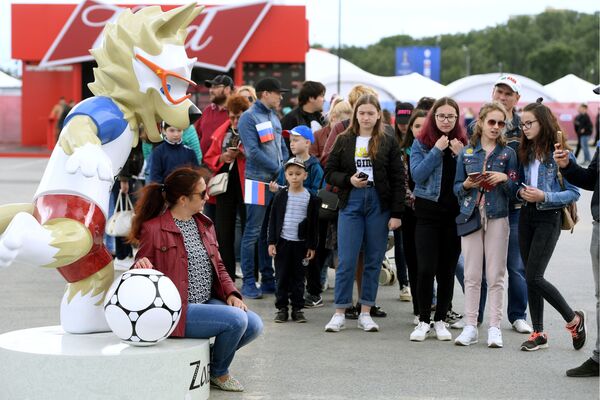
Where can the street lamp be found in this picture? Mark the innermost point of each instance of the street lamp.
(465, 48)
(339, 60)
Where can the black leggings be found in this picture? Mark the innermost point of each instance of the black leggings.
(538, 234)
(409, 222)
(438, 249)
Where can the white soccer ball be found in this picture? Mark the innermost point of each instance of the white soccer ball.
(142, 307)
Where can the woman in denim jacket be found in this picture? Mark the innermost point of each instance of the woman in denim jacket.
(540, 221)
(486, 175)
(433, 168)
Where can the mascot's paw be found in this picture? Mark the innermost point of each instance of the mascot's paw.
(91, 161)
(9, 248)
(26, 241)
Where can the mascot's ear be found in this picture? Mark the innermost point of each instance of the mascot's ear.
(169, 24)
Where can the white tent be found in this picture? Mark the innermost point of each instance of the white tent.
(572, 89)
(478, 88)
(322, 66)
(7, 81)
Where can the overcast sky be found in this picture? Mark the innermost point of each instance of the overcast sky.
(364, 22)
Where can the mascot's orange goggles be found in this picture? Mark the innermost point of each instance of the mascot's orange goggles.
(163, 74)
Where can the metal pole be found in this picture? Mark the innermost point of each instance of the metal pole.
(339, 61)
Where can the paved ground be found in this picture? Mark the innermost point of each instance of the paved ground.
(301, 361)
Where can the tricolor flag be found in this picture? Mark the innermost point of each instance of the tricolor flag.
(255, 192)
(265, 131)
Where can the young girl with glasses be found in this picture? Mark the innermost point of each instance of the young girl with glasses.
(540, 221)
(486, 175)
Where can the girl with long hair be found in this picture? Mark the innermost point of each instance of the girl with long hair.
(540, 221)
(486, 175)
(176, 239)
(433, 168)
(366, 166)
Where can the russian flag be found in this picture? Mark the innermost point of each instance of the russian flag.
(265, 131)
(255, 192)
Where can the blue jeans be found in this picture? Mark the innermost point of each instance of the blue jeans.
(361, 224)
(232, 328)
(255, 232)
(583, 142)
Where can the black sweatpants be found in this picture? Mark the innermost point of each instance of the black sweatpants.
(409, 222)
(313, 272)
(289, 274)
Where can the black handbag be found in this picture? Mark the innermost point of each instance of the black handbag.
(329, 204)
(467, 224)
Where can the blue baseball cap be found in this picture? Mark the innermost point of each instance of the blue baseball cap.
(304, 131)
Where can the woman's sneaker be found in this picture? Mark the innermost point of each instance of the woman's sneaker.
(578, 331)
(441, 330)
(421, 331)
(537, 340)
(405, 294)
(494, 337)
(336, 324)
(468, 336)
(366, 323)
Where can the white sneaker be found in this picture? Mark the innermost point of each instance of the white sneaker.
(494, 337)
(460, 324)
(405, 294)
(336, 324)
(366, 323)
(441, 331)
(521, 326)
(416, 320)
(468, 336)
(420, 332)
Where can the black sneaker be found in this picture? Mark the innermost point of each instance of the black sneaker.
(298, 316)
(313, 301)
(587, 369)
(351, 312)
(281, 315)
(375, 312)
(578, 331)
(452, 317)
(537, 340)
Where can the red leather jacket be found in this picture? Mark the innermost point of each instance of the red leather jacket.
(161, 242)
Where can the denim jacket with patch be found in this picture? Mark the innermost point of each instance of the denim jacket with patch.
(554, 196)
(426, 170)
(470, 160)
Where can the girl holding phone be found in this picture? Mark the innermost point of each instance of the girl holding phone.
(540, 221)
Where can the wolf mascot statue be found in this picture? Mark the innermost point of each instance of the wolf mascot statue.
(142, 77)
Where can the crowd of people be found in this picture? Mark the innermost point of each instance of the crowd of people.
(478, 198)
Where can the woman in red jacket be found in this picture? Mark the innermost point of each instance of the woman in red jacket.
(176, 239)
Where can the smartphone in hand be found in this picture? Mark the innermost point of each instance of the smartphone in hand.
(362, 176)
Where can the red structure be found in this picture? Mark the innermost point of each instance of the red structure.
(247, 41)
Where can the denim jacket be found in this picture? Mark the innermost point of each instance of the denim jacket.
(263, 160)
(471, 159)
(426, 170)
(554, 196)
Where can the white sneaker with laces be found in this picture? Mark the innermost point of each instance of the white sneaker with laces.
(460, 324)
(336, 324)
(421, 331)
(366, 323)
(494, 337)
(468, 336)
(521, 326)
(441, 330)
(416, 320)
(405, 294)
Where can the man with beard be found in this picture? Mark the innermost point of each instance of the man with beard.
(215, 114)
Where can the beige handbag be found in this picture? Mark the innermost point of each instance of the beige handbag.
(218, 184)
(119, 224)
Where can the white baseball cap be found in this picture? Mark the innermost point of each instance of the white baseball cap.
(511, 81)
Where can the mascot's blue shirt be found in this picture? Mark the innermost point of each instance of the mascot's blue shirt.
(105, 114)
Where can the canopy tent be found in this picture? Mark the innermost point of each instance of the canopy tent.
(8, 82)
(572, 89)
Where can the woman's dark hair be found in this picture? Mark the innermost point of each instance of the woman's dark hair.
(408, 139)
(542, 145)
(237, 104)
(354, 127)
(425, 103)
(430, 132)
(154, 197)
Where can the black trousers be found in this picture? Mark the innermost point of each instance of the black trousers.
(289, 274)
(438, 249)
(229, 204)
(538, 233)
(409, 224)
(313, 272)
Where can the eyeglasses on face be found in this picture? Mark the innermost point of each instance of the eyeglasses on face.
(442, 117)
(493, 122)
(202, 194)
(527, 124)
(163, 74)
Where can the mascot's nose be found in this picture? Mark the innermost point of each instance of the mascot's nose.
(194, 113)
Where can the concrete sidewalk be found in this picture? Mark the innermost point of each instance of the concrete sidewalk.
(301, 361)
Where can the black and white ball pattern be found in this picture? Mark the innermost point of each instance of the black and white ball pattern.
(142, 307)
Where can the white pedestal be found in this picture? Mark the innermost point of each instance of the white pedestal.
(47, 363)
